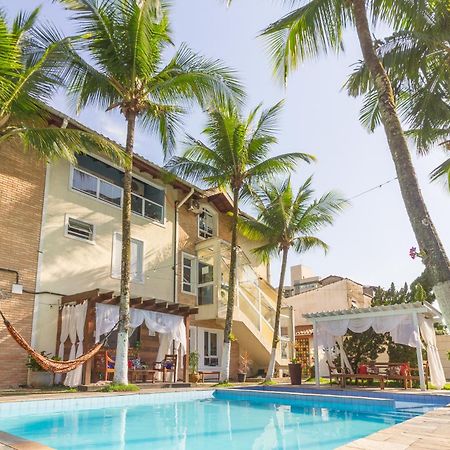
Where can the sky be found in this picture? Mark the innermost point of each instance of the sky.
(369, 242)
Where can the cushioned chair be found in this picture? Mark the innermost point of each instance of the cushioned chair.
(167, 365)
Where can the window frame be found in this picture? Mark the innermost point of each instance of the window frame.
(194, 270)
(67, 218)
(208, 345)
(213, 214)
(97, 195)
(114, 273)
(206, 284)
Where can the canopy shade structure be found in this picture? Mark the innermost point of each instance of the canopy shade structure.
(86, 316)
(405, 322)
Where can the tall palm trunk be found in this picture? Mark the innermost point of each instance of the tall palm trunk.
(434, 258)
(121, 363)
(276, 330)
(232, 291)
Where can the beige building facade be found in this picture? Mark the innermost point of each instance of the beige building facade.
(180, 254)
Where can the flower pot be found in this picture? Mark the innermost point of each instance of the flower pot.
(295, 372)
(242, 377)
(194, 377)
(40, 379)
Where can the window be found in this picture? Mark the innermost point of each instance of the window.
(205, 283)
(206, 228)
(137, 259)
(210, 353)
(79, 229)
(99, 180)
(189, 272)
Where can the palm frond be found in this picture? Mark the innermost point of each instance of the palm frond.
(55, 143)
(307, 31)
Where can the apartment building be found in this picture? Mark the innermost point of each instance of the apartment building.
(61, 235)
(310, 294)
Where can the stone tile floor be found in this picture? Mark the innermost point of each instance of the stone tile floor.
(428, 432)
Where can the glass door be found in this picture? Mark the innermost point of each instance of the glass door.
(205, 283)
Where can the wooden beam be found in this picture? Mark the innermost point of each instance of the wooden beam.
(184, 309)
(173, 306)
(135, 301)
(105, 295)
(161, 305)
(80, 296)
(193, 311)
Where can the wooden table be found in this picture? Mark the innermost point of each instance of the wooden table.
(362, 376)
(143, 373)
(202, 374)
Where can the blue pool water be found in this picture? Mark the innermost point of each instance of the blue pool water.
(203, 420)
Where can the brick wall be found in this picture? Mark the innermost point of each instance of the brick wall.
(22, 179)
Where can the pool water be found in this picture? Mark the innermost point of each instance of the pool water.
(220, 422)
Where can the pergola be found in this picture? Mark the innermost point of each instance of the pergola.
(96, 296)
(406, 323)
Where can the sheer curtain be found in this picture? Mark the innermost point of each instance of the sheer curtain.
(437, 375)
(64, 334)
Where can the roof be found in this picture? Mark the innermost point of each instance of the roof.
(385, 310)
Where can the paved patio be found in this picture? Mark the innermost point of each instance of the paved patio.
(428, 432)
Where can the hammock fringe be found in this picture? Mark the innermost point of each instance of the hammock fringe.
(48, 364)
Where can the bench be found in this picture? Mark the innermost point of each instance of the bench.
(400, 371)
(134, 374)
(342, 377)
(215, 373)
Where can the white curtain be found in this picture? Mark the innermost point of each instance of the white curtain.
(173, 326)
(64, 334)
(437, 375)
(74, 377)
(400, 327)
(165, 344)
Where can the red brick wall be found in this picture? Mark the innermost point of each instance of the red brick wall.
(22, 179)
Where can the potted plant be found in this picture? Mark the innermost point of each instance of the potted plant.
(244, 365)
(295, 371)
(194, 376)
(38, 377)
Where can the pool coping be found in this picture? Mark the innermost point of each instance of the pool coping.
(429, 431)
(10, 441)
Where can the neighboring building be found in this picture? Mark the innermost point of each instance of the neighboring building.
(318, 295)
(302, 279)
(61, 231)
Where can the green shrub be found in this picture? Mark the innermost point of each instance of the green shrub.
(113, 387)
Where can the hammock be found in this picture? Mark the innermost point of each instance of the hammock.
(48, 364)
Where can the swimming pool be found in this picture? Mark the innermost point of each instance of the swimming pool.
(221, 419)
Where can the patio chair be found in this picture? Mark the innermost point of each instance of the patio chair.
(336, 374)
(167, 365)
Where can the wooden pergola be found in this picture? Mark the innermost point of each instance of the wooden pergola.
(109, 297)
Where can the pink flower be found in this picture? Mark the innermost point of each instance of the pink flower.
(413, 252)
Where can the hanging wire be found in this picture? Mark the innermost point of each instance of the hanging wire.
(371, 189)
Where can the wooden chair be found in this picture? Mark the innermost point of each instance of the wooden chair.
(167, 365)
(103, 365)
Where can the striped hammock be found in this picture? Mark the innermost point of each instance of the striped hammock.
(48, 364)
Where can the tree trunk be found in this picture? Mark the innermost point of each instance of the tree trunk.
(276, 330)
(232, 290)
(434, 256)
(121, 363)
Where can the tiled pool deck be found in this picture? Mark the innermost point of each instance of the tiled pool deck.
(427, 432)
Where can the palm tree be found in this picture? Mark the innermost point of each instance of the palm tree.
(236, 156)
(32, 67)
(416, 62)
(125, 42)
(317, 26)
(287, 220)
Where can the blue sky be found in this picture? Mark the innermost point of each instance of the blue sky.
(370, 240)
